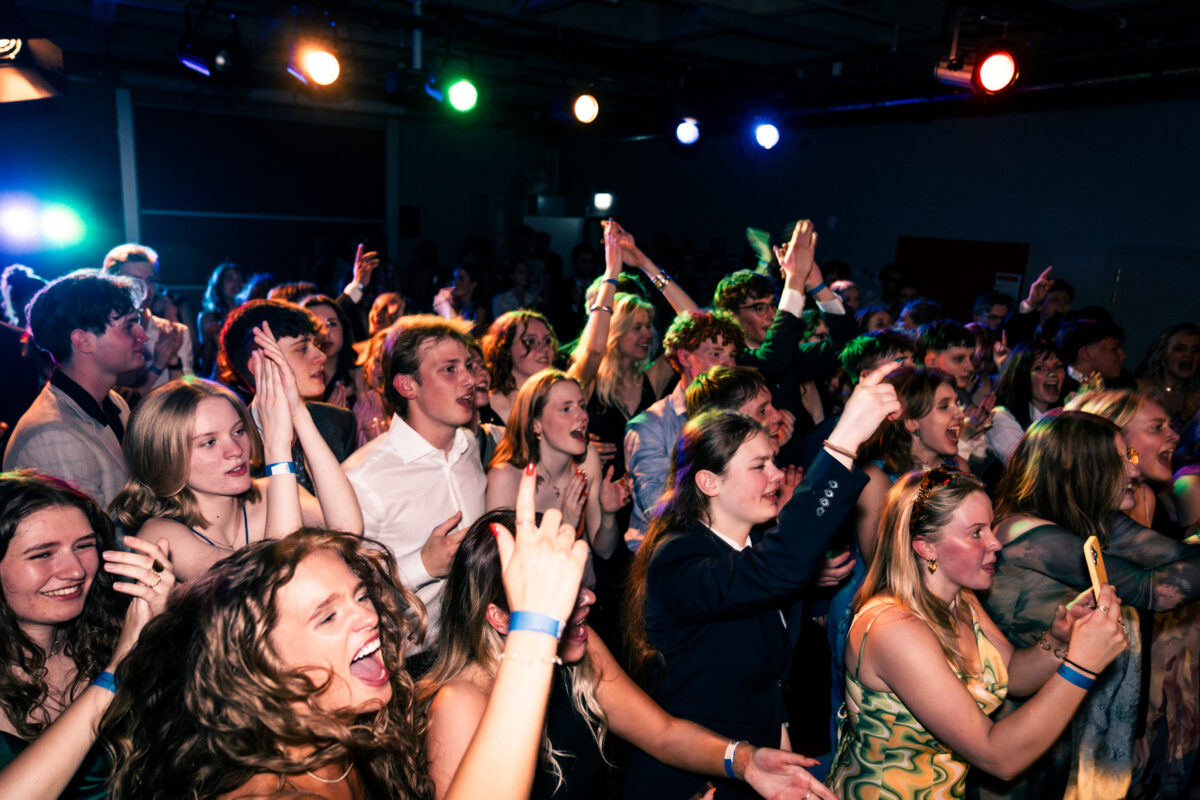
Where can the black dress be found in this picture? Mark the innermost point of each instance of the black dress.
(608, 422)
(585, 773)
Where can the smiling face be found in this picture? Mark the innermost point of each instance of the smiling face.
(573, 644)
(955, 362)
(219, 458)
(760, 409)
(332, 337)
(49, 567)
(635, 344)
(1046, 378)
(328, 628)
(307, 363)
(1151, 435)
(747, 491)
(532, 351)
(710, 353)
(1183, 355)
(756, 315)
(938, 430)
(564, 418)
(965, 549)
(483, 379)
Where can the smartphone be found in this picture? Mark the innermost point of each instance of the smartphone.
(1095, 565)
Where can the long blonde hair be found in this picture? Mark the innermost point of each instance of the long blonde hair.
(918, 506)
(158, 446)
(466, 637)
(626, 309)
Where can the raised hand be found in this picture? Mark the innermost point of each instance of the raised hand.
(543, 565)
(1040, 288)
(613, 254)
(364, 265)
(574, 499)
(271, 407)
(796, 257)
(1001, 350)
(1099, 637)
(149, 567)
(780, 775)
(979, 417)
(271, 351)
(614, 495)
(871, 403)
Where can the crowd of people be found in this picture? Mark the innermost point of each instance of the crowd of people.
(500, 538)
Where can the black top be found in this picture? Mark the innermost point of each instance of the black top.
(608, 422)
(585, 773)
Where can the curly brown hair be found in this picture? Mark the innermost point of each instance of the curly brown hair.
(88, 640)
(505, 334)
(205, 704)
(693, 328)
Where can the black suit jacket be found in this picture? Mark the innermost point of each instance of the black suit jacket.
(715, 616)
(337, 427)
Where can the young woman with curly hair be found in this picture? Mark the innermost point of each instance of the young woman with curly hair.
(280, 671)
(61, 629)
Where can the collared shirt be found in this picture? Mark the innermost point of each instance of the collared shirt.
(650, 438)
(106, 412)
(406, 487)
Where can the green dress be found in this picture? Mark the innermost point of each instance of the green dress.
(885, 753)
(88, 782)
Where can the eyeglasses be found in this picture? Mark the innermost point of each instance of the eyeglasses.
(760, 308)
(533, 343)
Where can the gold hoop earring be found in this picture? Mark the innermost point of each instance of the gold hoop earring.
(932, 565)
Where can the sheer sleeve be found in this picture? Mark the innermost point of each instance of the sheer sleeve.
(1148, 570)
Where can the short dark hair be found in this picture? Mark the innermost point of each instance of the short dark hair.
(86, 299)
(723, 389)
(1077, 334)
(985, 301)
(693, 328)
(237, 336)
(942, 334)
(737, 287)
(863, 351)
(1061, 285)
(923, 310)
(402, 349)
(864, 314)
(292, 291)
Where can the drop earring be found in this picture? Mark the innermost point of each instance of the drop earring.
(932, 565)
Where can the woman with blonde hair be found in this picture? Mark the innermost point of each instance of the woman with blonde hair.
(548, 428)
(925, 665)
(190, 447)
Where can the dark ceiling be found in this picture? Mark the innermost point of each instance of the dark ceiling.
(648, 61)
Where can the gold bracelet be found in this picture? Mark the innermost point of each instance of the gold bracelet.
(529, 662)
(1044, 643)
(850, 454)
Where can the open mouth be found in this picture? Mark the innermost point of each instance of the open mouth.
(71, 592)
(580, 433)
(577, 629)
(238, 471)
(952, 433)
(467, 401)
(367, 664)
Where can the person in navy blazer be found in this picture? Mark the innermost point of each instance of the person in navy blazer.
(708, 601)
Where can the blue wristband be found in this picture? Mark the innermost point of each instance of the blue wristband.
(814, 290)
(1072, 675)
(281, 468)
(106, 680)
(613, 281)
(730, 749)
(536, 622)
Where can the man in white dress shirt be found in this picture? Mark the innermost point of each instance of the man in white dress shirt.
(421, 485)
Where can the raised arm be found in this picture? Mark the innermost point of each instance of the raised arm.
(43, 770)
(542, 569)
(594, 340)
(336, 505)
(671, 291)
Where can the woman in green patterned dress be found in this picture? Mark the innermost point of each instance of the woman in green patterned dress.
(925, 665)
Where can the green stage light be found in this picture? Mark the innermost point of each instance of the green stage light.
(463, 95)
(61, 225)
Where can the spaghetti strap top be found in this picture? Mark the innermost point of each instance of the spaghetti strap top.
(884, 752)
(211, 543)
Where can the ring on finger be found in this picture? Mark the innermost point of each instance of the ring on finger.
(1103, 609)
(157, 566)
(157, 581)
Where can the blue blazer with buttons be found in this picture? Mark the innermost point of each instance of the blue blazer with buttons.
(717, 617)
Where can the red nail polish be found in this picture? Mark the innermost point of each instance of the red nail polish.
(495, 529)
(530, 468)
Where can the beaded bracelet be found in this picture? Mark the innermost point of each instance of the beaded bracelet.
(660, 281)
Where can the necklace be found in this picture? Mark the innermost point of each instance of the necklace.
(315, 777)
